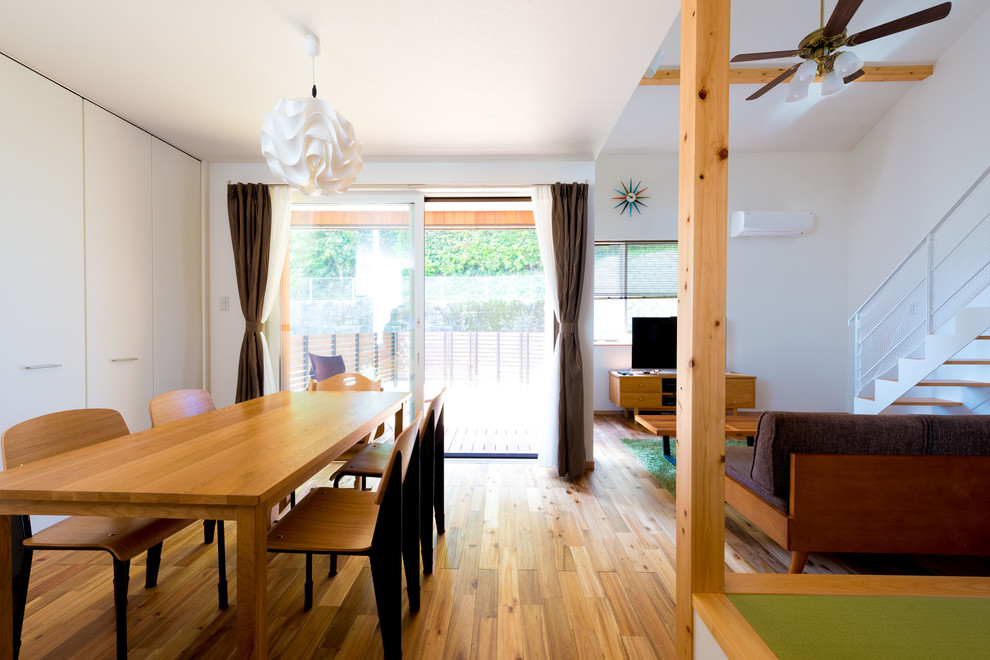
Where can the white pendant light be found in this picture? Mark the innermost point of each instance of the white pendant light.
(309, 144)
(805, 74)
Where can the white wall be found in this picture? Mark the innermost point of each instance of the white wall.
(227, 328)
(786, 297)
(916, 163)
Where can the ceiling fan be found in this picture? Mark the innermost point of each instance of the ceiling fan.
(821, 53)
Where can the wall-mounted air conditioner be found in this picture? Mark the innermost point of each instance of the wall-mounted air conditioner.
(767, 224)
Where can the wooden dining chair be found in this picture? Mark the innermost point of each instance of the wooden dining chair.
(371, 461)
(350, 381)
(171, 407)
(433, 458)
(350, 522)
(123, 538)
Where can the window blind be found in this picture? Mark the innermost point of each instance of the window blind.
(626, 269)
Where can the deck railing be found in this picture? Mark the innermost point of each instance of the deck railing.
(450, 357)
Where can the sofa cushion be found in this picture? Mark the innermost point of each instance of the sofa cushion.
(738, 465)
(780, 434)
(957, 435)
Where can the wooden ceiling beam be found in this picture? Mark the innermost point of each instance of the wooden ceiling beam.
(753, 76)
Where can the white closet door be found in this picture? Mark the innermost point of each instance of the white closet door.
(119, 325)
(178, 271)
(41, 252)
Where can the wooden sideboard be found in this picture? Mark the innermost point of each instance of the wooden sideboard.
(658, 391)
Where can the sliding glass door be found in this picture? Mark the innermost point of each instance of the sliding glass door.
(349, 290)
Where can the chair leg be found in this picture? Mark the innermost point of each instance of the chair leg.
(386, 574)
(410, 551)
(426, 512)
(222, 567)
(154, 562)
(20, 588)
(121, 575)
(208, 526)
(333, 565)
(308, 587)
(438, 486)
(336, 481)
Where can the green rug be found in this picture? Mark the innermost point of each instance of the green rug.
(868, 627)
(649, 452)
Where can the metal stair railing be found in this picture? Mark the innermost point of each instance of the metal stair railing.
(941, 275)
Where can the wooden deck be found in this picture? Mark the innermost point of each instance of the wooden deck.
(489, 420)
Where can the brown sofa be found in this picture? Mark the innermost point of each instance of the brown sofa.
(838, 482)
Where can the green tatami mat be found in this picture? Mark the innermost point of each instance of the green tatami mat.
(870, 627)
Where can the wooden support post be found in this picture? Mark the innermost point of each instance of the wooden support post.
(701, 234)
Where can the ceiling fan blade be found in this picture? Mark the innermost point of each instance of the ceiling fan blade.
(930, 15)
(769, 55)
(773, 83)
(853, 76)
(840, 17)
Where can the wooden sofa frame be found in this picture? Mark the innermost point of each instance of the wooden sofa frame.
(876, 503)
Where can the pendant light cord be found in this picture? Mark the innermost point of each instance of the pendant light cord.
(314, 77)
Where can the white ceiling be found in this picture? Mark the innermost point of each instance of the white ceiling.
(443, 79)
(832, 123)
(436, 79)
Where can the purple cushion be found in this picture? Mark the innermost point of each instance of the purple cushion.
(325, 366)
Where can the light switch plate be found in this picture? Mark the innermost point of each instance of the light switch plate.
(224, 303)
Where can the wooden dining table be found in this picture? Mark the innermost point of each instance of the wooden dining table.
(234, 463)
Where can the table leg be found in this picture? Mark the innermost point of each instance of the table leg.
(252, 583)
(666, 450)
(6, 592)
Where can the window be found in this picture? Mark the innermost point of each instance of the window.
(632, 279)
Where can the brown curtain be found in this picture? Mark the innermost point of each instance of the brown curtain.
(569, 219)
(249, 209)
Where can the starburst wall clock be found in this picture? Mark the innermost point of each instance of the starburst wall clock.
(630, 197)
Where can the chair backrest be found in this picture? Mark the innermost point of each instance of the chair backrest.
(403, 451)
(348, 382)
(59, 432)
(322, 367)
(436, 409)
(179, 404)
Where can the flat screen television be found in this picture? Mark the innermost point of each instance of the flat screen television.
(654, 342)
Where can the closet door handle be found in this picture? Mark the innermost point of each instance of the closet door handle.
(42, 366)
(129, 359)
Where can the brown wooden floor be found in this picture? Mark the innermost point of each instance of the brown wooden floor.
(530, 567)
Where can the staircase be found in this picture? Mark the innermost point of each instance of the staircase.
(923, 337)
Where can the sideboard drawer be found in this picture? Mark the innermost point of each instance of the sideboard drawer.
(639, 384)
(650, 400)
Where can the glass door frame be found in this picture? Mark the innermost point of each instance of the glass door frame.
(415, 200)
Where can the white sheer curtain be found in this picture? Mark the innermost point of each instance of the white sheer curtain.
(281, 215)
(542, 209)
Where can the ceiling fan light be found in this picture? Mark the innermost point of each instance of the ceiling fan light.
(847, 62)
(797, 90)
(807, 71)
(832, 83)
